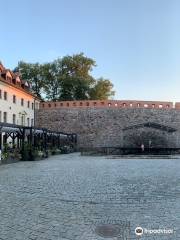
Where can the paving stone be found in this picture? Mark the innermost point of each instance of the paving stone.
(67, 197)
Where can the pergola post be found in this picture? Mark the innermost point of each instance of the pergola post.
(0, 139)
(23, 143)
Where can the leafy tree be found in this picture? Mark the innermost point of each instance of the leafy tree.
(102, 90)
(76, 79)
(51, 80)
(67, 78)
(33, 74)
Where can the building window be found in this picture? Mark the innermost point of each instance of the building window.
(22, 120)
(14, 118)
(5, 95)
(32, 122)
(14, 99)
(32, 105)
(5, 117)
(0, 93)
(28, 122)
(37, 105)
(22, 102)
(28, 104)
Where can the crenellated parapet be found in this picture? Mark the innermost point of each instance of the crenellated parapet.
(110, 104)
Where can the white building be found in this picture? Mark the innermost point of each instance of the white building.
(17, 103)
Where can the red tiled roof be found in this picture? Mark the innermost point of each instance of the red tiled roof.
(3, 70)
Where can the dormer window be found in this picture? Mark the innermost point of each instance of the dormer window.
(8, 78)
(14, 81)
(26, 85)
(18, 81)
(1, 67)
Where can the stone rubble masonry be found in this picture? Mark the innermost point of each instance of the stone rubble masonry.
(103, 126)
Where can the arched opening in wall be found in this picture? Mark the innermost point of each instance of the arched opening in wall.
(146, 105)
(80, 104)
(49, 105)
(61, 104)
(138, 105)
(87, 104)
(153, 105)
(94, 103)
(160, 106)
(130, 104)
(148, 137)
(74, 104)
(115, 104)
(154, 137)
(109, 104)
(67, 104)
(102, 103)
(167, 106)
(124, 104)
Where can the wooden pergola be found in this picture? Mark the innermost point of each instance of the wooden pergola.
(36, 138)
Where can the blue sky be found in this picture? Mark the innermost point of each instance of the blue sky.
(136, 43)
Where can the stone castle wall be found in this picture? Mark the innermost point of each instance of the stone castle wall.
(105, 126)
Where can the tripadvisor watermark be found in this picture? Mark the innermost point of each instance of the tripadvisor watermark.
(139, 231)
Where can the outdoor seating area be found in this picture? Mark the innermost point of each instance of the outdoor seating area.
(31, 143)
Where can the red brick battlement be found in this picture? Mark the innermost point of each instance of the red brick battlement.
(110, 104)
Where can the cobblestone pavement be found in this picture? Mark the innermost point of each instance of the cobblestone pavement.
(66, 197)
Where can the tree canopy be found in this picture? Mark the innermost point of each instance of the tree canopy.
(67, 78)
